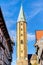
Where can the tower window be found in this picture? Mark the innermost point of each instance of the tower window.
(21, 23)
(21, 29)
(21, 34)
(21, 51)
(21, 41)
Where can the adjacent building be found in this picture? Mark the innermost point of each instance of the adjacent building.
(39, 46)
(6, 44)
(22, 57)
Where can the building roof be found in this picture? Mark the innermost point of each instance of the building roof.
(5, 31)
(21, 16)
(39, 34)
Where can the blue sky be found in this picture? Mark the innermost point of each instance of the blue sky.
(33, 10)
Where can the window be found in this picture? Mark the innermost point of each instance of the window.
(21, 41)
(21, 24)
(21, 29)
(21, 34)
(21, 51)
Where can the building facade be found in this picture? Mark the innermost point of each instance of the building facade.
(39, 46)
(22, 57)
(6, 44)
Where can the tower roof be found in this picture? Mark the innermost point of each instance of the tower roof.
(21, 16)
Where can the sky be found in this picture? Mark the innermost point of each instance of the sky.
(33, 10)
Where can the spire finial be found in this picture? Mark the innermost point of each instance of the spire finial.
(21, 15)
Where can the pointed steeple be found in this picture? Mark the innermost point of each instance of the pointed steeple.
(21, 16)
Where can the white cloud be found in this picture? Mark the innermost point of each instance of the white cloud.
(30, 37)
(13, 63)
(10, 22)
(8, 13)
(13, 35)
(33, 13)
(9, 8)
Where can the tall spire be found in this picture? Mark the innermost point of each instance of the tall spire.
(21, 16)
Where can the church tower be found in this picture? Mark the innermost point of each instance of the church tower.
(22, 58)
